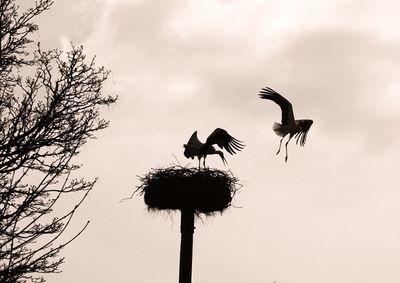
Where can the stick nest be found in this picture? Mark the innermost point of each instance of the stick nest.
(181, 188)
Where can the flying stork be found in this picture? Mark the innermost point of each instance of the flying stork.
(295, 128)
(195, 147)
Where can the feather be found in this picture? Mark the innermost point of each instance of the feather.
(284, 104)
(224, 140)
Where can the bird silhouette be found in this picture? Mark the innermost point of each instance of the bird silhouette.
(195, 147)
(295, 128)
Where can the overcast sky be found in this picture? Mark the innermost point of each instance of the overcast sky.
(330, 214)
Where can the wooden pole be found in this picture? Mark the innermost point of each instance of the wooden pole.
(185, 262)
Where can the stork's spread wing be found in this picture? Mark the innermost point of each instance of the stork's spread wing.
(286, 106)
(225, 141)
(194, 141)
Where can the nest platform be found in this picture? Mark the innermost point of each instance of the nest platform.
(181, 188)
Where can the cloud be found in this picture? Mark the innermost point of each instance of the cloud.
(214, 56)
(73, 19)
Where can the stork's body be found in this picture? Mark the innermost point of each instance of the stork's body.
(195, 148)
(295, 128)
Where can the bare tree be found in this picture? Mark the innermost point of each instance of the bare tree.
(45, 118)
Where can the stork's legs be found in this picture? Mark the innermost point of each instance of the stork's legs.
(204, 161)
(286, 144)
(280, 144)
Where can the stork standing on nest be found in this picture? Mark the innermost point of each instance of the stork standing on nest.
(195, 147)
(295, 128)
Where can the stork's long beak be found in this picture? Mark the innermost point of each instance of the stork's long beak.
(221, 154)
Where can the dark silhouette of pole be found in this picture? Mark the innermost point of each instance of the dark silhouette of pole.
(187, 230)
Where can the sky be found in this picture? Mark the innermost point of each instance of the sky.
(330, 214)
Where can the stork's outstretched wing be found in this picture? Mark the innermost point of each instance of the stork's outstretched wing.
(286, 106)
(225, 141)
(194, 141)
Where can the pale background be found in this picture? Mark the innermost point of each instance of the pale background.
(331, 214)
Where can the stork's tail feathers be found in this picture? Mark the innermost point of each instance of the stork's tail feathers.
(278, 129)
